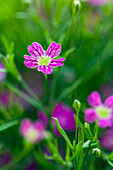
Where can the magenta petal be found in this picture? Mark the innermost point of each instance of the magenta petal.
(103, 123)
(109, 102)
(26, 124)
(35, 49)
(94, 99)
(43, 118)
(57, 62)
(53, 50)
(65, 116)
(30, 62)
(40, 130)
(90, 115)
(45, 69)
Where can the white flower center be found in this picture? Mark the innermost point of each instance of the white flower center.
(103, 112)
(44, 60)
(31, 135)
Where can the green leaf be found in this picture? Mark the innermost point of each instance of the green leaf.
(110, 156)
(62, 132)
(110, 163)
(86, 144)
(8, 125)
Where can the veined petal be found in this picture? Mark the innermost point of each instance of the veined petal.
(35, 49)
(45, 69)
(94, 99)
(30, 62)
(103, 123)
(109, 102)
(90, 115)
(53, 50)
(57, 62)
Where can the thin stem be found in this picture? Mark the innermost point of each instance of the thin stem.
(86, 155)
(75, 161)
(67, 152)
(76, 129)
(46, 90)
(96, 129)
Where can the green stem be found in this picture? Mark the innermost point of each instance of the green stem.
(76, 129)
(75, 160)
(86, 155)
(67, 152)
(54, 82)
(46, 90)
(96, 129)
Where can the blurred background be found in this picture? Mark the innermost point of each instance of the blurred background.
(86, 36)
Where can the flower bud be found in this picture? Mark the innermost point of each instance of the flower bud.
(87, 126)
(76, 105)
(96, 152)
(76, 5)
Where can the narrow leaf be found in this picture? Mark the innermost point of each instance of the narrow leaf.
(62, 132)
(8, 125)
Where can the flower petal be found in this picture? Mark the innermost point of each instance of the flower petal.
(103, 123)
(90, 115)
(35, 50)
(30, 62)
(45, 69)
(94, 99)
(57, 62)
(26, 124)
(53, 50)
(109, 102)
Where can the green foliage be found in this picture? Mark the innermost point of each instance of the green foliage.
(87, 44)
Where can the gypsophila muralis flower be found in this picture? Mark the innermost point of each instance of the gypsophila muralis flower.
(100, 112)
(43, 60)
(32, 132)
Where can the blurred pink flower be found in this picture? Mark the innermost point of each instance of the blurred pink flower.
(43, 60)
(4, 98)
(106, 140)
(2, 74)
(98, 2)
(65, 116)
(103, 113)
(43, 118)
(32, 132)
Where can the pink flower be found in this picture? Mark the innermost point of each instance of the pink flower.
(102, 113)
(43, 118)
(32, 132)
(106, 140)
(2, 74)
(65, 116)
(98, 2)
(43, 60)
